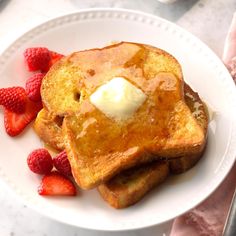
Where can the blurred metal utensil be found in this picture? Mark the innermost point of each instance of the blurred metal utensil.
(3, 3)
(167, 1)
(230, 225)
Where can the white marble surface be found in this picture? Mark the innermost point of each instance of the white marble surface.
(207, 19)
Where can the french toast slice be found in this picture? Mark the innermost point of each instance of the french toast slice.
(73, 78)
(162, 126)
(48, 128)
(200, 112)
(130, 186)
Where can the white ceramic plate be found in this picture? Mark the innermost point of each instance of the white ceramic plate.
(202, 70)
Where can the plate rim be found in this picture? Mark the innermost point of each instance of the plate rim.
(7, 52)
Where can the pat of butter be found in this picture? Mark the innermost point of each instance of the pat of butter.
(118, 99)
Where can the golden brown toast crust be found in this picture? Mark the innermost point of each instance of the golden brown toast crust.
(198, 109)
(122, 191)
(48, 128)
(131, 185)
(50, 131)
(119, 194)
(162, 126)
(65, 80)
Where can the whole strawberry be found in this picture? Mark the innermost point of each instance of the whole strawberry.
(13, 99)
(40, 161)
(33, 85)
(37, 58)
(62, 163)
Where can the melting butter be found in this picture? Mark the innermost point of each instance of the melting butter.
(118, 99)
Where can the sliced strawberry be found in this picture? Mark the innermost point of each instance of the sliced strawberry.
(15, 123)
(55, 57)
(55, 184)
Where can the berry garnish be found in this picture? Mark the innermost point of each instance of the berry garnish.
(55, 57)
(13, 99)
(37, 58)
(55, 184)
(40, 161)
(62, 163)
(15, 122)
(33, 85)
(40, 58)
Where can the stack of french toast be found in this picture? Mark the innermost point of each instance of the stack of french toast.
(125, 117)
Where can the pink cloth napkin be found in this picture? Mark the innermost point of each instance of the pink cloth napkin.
(209, 217)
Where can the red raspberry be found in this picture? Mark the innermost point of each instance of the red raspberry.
(40, 161)
(62, 163)
(37, 58)
(13, 98)
(33, 85)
